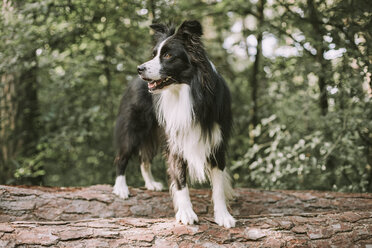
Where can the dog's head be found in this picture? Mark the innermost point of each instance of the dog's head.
(174, 55)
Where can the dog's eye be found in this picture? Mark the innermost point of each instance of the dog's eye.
(153, 54)
(167, 56)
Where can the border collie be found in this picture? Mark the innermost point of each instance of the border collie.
(181, 98)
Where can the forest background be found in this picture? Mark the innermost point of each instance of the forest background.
(299, 73)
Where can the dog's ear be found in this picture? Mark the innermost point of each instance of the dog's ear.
(162, 31)
(159, 28)
(190, 29)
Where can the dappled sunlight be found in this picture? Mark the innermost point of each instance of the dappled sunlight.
(299, 73)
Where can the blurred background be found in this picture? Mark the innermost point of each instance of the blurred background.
(299, 73)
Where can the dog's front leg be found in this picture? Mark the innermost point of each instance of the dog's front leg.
(180, 192)
(222, 191)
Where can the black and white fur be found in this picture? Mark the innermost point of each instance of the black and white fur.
(186, 101)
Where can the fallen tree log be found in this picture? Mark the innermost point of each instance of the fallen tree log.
(94, 217)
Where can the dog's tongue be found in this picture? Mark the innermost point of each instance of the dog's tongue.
(153, 84)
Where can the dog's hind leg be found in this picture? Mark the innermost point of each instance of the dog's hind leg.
(180, 191)
(150, 183)
(147, 153)
(121, 187)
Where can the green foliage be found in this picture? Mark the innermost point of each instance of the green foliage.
(282, 158)
(81, 55)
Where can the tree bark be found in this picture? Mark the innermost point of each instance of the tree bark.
(28, 110)
(152, 7)
(256, 65)
(8, 144)
(93, 216)
(254, 80)
(324, 65)
(19, 112)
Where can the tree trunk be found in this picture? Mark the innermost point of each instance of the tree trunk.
(152, 7)
(324, 65)
(254, 81)
(29, 116)
(19, 113)
(94, 217)
(8, 143)
(28, 111)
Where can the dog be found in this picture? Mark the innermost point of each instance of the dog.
(178, 97)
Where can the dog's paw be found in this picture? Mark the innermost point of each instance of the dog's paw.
(187, 216)
(155, 186)
(121, 192)
(121, 188)
(224, 219)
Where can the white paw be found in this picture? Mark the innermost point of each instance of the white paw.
(224, 219)
(156, 186)
(121, 188)
(122, 193)
(187, 216)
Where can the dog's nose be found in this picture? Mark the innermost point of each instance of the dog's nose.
(141, 68)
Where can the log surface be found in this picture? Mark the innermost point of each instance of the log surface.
(94, 217)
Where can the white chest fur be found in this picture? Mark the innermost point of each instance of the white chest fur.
(185, 138)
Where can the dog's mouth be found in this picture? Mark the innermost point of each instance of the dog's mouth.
(158, 84)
